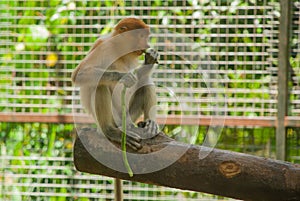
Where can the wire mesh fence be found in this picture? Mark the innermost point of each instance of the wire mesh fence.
(209, 50)
(295, 61)
(37, 164)
(54, 178)
(218, 58)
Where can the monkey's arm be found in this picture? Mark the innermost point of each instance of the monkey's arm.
(144, 72)
(92, 76)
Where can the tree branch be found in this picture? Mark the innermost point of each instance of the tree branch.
(224, 173)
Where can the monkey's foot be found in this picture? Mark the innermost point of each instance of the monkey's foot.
(133, 139)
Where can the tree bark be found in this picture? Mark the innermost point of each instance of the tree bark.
(191, 167)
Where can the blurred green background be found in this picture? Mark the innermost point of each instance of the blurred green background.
(41, 42)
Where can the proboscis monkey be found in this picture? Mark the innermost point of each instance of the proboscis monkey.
(111, 63)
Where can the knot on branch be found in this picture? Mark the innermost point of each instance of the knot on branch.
(229, 169)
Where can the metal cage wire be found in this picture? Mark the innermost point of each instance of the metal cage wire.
(55, 177)
(232, 45)
(219, 47)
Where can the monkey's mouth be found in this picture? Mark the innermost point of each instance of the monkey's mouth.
(140, 52)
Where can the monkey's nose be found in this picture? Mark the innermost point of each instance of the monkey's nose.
(146, 48)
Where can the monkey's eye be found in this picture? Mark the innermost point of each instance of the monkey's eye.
(122, 29)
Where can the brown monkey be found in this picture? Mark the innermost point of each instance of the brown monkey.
(111, 61)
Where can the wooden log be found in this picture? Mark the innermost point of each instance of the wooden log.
(163, 161)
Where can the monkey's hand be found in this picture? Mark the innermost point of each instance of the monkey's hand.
(150, 127)
(151, 56)
(128, 80)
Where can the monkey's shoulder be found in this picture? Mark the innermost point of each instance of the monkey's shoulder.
(98, 42)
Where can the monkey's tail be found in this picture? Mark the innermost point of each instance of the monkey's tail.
(123, 143)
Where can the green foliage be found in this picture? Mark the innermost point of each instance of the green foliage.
(53, 26)
(36, 139)
(33, 140)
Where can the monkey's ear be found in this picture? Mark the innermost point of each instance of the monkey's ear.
(122, 29)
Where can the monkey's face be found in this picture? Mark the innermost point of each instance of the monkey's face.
(135, 41)
(142, 41)
(139, 38)
(135, 34)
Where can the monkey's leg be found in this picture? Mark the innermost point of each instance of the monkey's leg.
(104, 117)
(144, 102)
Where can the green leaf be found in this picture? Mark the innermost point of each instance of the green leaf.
(36, 34)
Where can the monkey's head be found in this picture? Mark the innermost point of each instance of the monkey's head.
(139, 33)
